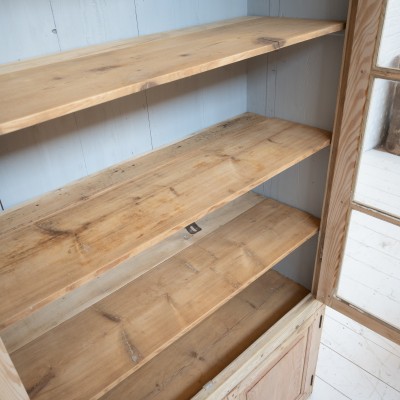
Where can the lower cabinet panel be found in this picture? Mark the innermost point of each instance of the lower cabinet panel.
(279, 366)
(284, 380)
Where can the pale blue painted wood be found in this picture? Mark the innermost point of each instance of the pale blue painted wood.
(26, 30)
(258, 7)
(114, 132)
(299, 83)
(93, 139)
(186, 106)
(117, 130)
(83, 23)
(174, 111)
(37, 159)
(160, 15)
(69, 148)
(223, 93)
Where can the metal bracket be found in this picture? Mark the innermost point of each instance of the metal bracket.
(193, 228)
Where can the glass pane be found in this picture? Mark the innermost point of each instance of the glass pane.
(370, 275)
(389, 49)
(378, 180)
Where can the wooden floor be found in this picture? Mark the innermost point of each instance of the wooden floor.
(355, 363)
(378, 181)
(370, 276)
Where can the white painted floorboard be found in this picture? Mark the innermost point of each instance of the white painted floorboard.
(378, 181)
(355, 363)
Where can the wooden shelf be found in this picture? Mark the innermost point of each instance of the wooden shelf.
(39, 90)
(65, 239)
(180, 371)
(94, 351)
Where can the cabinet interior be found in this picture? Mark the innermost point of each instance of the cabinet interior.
(166, 259)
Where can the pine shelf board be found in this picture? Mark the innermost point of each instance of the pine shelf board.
(36, 91)
(67, 238)
(93, 352)
(180, 371)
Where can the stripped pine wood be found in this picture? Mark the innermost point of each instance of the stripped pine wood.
(31, 327)
(360, 47)
(275, 382)
(267, 350)
(77, 83)
(201, 354)
(68, 243)
(116, 336)
(267, 377)
(11, 387)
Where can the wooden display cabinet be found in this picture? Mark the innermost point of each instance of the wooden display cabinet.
(102, 293)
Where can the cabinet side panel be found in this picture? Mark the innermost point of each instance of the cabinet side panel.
(300, 84)
(283, 381)
(11, 387)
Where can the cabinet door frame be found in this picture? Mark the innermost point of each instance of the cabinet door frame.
(365, 20)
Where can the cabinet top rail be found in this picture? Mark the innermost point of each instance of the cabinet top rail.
(41, 89)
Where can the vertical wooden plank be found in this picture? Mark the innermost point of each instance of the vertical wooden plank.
(11, 387)
(34, 161)
(277, 86)
(175, 111)
(117, 130)
(157, 16)
(298, 265)
(202, 100)
(85, 23)
(26, 30)
(214, 10)
(114, 131)
(39, 159)
(223, 93)
(313, 342)
(321, 9)
(52, 154)
(360, 45)
(284, 380)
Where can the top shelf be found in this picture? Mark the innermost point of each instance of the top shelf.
(75, 80)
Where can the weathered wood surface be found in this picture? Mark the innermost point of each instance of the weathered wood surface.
(11, 387)
(180, 371)
(267, 350)
(105, 344)
(81, 79)
(363, 22)
(24, 331)
(94, 225)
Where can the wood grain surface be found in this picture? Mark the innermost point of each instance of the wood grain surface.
(180, 371)
(94, 351)
(79, 80)
(105, 220)
(360, 46)
(11, 387)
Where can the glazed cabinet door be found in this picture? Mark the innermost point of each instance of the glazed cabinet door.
(359, 255)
